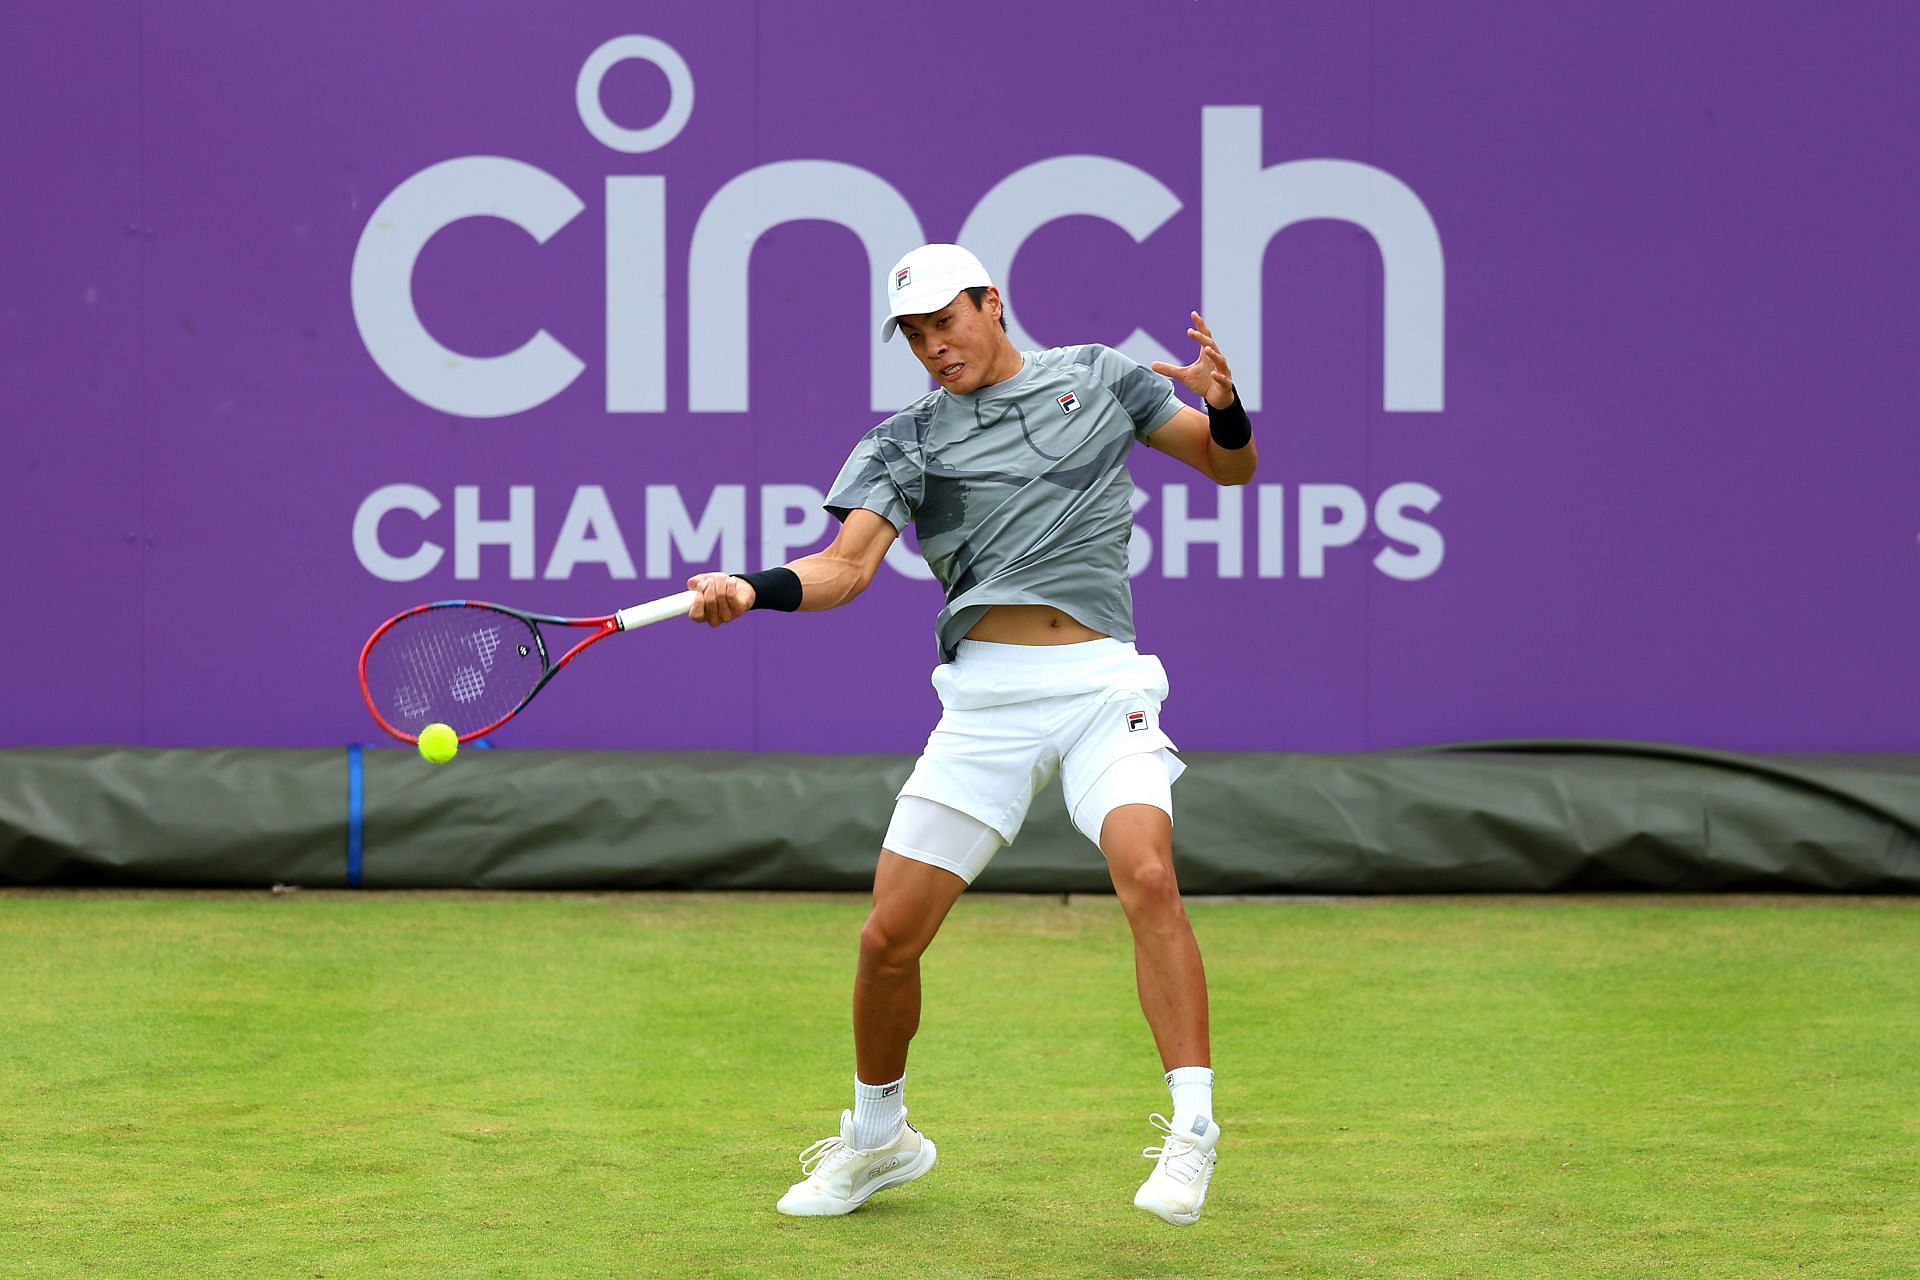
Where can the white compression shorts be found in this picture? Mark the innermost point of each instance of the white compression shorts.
(941, 837)
(1016, 714)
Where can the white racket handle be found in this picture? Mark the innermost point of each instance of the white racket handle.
(645, 615)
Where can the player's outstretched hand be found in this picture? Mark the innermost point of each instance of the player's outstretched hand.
(723, 598)
(1208, 376)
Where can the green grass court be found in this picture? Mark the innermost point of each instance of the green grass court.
(343, 1085)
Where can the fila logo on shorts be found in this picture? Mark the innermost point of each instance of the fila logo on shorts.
(1069, 402)
(901, 277)
(1136, 722)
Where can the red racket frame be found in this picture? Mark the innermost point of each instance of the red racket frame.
(603, 627)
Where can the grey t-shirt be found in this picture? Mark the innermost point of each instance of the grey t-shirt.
(1019, 492)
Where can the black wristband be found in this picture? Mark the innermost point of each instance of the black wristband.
(1230, 427)
(774, 588)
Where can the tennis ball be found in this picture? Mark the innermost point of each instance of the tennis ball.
(438, 742)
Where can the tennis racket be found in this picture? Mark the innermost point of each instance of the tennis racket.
(473, 666)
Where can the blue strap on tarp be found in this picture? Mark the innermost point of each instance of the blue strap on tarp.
(356, 799)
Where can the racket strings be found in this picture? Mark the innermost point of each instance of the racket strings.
(462, 666)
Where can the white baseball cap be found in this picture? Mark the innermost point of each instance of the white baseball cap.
(928, 279)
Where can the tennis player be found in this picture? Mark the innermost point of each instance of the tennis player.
(1014, 474)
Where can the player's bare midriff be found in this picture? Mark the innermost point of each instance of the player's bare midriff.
(1031, 624)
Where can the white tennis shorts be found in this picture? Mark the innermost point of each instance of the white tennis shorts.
(1013, 716)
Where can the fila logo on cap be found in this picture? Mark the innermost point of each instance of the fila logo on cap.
(902, 277)
(1136, 722)
(1069, 402)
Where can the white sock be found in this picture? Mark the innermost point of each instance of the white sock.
(877, 1112)
(1192, 1089)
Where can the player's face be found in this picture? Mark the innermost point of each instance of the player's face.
(962, 345)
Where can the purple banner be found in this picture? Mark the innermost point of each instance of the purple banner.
(1577, 344)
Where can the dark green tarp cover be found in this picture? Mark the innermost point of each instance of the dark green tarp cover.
(1490, 817)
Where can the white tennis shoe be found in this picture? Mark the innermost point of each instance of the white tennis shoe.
(840, 1177)
(1183, 1165)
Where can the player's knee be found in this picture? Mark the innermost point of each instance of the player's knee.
(885, 947)
(1147, 885)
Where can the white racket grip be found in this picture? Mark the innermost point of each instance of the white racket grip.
(645, 615)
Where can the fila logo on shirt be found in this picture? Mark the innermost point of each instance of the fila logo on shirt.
(1069, 402)
(1136, 722)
